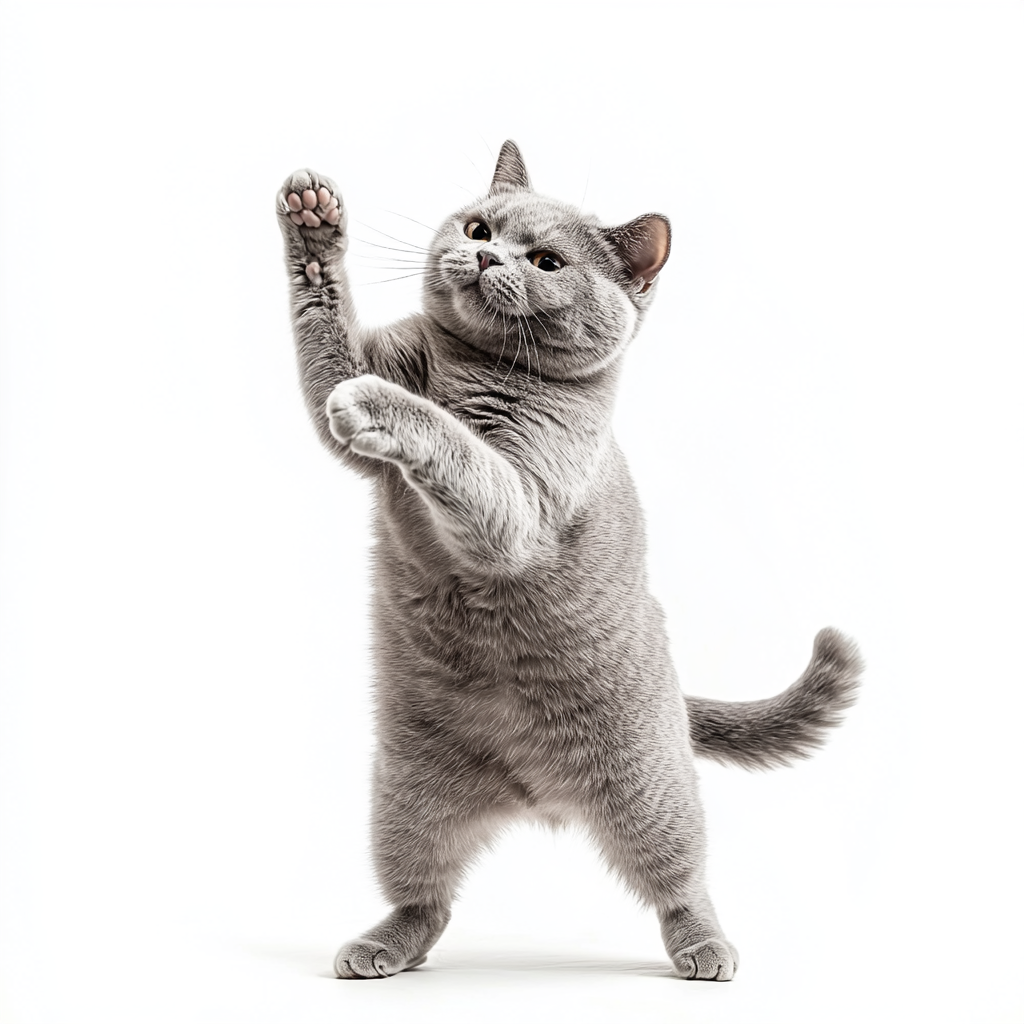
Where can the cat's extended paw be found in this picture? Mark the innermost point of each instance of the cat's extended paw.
(309, 199)
(710, 961)
(310, 209)
(361, 414)
(364, 959)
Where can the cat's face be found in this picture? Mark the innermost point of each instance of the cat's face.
(532, 280)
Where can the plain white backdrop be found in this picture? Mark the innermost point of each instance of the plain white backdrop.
(823, 414)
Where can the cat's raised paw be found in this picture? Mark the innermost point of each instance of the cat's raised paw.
(710, 961)
(310, 200)
(371, 960)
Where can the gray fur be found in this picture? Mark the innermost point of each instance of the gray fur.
(522, 666)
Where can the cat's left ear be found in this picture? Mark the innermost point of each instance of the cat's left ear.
(510, 174)
(643, 245)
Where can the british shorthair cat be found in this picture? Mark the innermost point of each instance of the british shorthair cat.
(522, 667)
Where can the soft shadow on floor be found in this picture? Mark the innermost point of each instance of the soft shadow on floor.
(488, 960)
(455, 961)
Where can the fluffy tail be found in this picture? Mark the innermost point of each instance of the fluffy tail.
(773, 732)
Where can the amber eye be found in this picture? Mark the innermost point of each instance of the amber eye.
(546, 261)
(478, 231)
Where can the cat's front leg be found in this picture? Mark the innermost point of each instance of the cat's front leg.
(482, 506)
(312, 220)
(330, 344)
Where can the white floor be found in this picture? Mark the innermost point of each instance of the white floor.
(833, 920)
(824, 960)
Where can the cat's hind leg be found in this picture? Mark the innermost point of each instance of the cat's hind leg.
(433, 813)
(650, 826)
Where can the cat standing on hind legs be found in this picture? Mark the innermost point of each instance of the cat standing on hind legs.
(521, 664)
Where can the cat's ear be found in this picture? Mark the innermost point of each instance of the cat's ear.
(643, 245)
(510, 174)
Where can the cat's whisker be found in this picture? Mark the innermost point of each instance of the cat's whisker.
(522, 339)
(396, 269)
(390, 248)
(515, 358)
(395, 213)
(504, 338)
(411, 245)
(586, 185)
(394, 259)
(536, 348)
(387, 280)
(492, 325)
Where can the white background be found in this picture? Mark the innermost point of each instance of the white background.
(823, 413)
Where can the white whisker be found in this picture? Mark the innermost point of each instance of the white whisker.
(395, 213)
(390, 248)
(411, 245)
(389, 279)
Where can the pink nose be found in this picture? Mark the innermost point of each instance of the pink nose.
(487, 259)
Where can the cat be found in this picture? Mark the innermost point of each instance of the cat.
(521, 665)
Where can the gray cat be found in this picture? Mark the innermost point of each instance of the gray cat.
(522, 666)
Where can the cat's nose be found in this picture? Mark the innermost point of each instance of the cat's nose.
(487, 259)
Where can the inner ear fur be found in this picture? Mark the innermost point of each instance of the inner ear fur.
(643, 245)
(510, 173)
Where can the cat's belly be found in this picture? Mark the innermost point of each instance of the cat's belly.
(548, 677)
(549, 700)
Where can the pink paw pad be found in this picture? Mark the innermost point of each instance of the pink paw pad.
(312, 207)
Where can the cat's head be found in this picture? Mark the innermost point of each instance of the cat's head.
(527, 278)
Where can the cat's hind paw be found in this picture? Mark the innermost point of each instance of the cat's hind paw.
(697, 947)
(364, 959)
(711, 961)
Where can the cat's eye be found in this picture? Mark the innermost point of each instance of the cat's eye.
(478, 231)
(547, 261)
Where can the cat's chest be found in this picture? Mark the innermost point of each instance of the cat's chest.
(489, 410)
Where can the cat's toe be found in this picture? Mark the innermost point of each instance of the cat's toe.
(371, 960)
(710, 961)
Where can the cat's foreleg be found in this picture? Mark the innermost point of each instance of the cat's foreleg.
(483, 507)
(313, 224)
(330, 344)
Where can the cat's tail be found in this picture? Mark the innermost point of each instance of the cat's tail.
(776, 731)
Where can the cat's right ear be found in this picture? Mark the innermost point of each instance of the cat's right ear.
(510, 174)
(643, 245)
